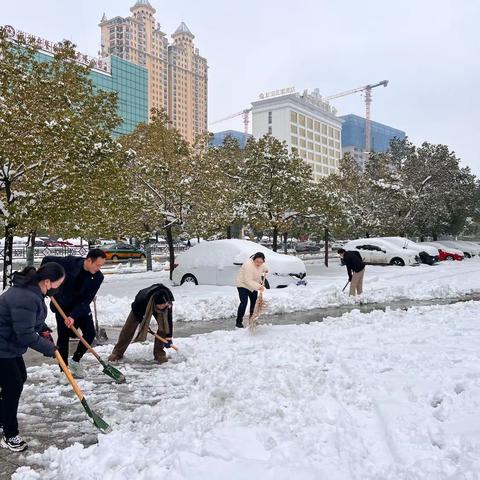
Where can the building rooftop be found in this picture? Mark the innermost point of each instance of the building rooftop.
(182, 28)
(142, 3)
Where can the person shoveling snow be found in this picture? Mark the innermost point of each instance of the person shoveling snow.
(154, 301)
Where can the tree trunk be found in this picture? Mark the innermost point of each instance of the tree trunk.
(434, 235)
(171, 251)
(148, 255)
(275, 238)
(7, 255)
(229, 232)
(31, 248)
(422, 239)
(285, 246)
(326, 247)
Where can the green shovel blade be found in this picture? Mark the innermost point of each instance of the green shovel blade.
(103, 426)
(112, 372)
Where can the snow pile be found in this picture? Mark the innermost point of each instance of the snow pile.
(382, 285)
(386, 395)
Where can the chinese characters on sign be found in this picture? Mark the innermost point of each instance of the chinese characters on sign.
(276, 93)
(49, 47)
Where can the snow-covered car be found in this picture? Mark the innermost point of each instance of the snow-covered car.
(445, 252)
(467, 250)
(426, 253)
(471, 247)
(376, 251)
(218, 262)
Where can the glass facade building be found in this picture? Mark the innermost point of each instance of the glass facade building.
(219, 137)
(353, 134)
(130, 82)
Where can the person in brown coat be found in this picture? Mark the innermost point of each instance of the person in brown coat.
(154, 301)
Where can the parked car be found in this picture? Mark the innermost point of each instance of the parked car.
(307, 247)
(426, 253)
(218, 262)
(122, 251)
(375, 251)
(471, 247)
(445, 252)
(466, 249)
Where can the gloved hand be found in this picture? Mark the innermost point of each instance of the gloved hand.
(168, 344)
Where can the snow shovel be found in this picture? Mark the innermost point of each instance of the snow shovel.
(163, 340)
(346, 285)
(108, 369)
(101, 332)
(96, 419)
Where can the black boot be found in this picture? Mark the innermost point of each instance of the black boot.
(239, 323)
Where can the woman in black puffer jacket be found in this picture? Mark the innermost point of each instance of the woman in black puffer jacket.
(22, 326)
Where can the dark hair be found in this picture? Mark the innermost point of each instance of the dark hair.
(341, 250)
(95, 253)
(49, 271)
(258, 255)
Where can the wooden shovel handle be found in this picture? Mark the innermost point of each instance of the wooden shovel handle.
(69, 375)
(158, 337)
(75, 331)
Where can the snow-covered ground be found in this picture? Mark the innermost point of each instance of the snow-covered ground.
(324, 289)
(389, 395)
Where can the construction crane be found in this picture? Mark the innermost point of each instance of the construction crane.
(368, 100)
(246, 121)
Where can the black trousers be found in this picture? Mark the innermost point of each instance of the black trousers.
(85, 324)
(13, 375)
(245, 295)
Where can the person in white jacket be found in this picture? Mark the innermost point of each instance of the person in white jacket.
(249, 282)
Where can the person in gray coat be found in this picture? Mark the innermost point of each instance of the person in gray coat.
(22, 326)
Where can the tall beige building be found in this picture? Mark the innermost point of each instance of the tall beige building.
(177, 74)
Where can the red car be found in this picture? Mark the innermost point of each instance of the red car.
(445, 252)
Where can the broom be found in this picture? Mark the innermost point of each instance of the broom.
(260, 307)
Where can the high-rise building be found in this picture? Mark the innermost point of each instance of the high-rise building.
(305, 122)
(177, 74)
(353, 137)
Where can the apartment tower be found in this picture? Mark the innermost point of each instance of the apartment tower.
(177, 74)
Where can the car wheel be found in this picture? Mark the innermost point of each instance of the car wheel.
(115, 258)
(189, 278)
(467, 255)
(397, 262)
(267, 285)
(449, 258)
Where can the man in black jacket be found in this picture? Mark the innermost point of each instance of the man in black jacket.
(82, 281)
(355, 268)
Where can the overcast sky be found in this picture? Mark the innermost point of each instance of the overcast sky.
(429, 50)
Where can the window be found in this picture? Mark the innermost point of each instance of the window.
(294, 140)
(309, 123)
(324, 129)
(302, 132)
(310, 145)
(293, 128)
(269, 117)
(318, 138)
(269, 129)
(317, 126)
(303, 153)
(301, 120)
(293, 117)
(310, 135)
(318, 148)
(310, 155)
(303, 143)
(330, 131)
(337, 134)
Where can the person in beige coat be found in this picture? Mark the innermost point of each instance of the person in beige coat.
(249, 282)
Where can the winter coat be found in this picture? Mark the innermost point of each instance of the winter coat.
(250, 276)
(22, 318)
(353, 261)
(75, 299)
(143, 308)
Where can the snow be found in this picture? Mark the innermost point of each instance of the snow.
(388, 395)
(324, 289)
